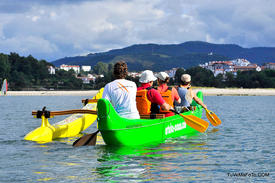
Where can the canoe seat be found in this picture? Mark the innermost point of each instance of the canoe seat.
(152, 116)
(181, 109)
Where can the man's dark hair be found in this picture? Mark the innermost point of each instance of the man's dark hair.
(165, 81)
(120, 70)
(184, 83)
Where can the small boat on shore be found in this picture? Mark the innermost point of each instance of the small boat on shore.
(69, 127)
(119, 131)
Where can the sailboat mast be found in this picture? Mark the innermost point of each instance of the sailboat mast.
(4, 88)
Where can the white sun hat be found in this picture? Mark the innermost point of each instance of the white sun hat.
(162, 76)
(186, 78)
(147, 76)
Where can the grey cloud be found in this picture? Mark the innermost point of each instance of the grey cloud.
(66, 28)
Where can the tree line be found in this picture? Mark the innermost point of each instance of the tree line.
(28, 73)
(243, 79)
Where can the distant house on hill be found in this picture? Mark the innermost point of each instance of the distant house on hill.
(232, 66)
(134, 74)
(86, 68)
(172, 72)
(88, 79)
(269, 65)
(241, 62)
(250, 67)
(76, 68)
(219, 67)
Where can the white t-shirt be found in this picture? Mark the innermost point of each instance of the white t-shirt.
(122, 95)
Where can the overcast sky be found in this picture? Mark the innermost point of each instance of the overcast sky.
(53, 29)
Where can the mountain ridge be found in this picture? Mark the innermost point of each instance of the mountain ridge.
(159, 57)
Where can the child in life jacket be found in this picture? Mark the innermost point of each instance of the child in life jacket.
(169, 94)
(149, 100)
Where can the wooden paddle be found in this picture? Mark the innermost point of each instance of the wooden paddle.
(194, 122)
(86, 140)
(213, 118)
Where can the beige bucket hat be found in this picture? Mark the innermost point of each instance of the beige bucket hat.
(185, 78)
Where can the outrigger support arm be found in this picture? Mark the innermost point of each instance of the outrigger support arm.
(50, 114)
(86, 101)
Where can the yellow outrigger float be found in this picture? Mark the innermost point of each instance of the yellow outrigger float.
(68, 127)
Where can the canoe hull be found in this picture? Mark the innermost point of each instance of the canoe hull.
(120, 131)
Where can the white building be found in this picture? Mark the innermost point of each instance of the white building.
(240, 62)
(172, 72)
(76, 68)
(222, 67)
(269, 65)
(134, 74)
(86, 68)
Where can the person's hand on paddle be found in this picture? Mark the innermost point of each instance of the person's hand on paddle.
(204, 106)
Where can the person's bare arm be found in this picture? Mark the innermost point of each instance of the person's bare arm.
(166, 107)
(176, 95)
(199, 102)
(179, 100)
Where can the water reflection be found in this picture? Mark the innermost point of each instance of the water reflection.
(172, 160)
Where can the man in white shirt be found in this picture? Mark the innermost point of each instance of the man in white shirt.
(122, 93)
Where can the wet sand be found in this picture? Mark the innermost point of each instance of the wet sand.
(206, 92)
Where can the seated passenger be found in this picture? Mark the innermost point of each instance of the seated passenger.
(186, 94)
(122, 93)
(169, 94)
(149, 100)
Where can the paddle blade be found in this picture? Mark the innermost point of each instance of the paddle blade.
(86, 140)
(196, 123)
(213, 118)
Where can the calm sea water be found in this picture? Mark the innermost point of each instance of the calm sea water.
(242, 149)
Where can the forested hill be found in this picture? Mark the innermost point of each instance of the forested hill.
(163, 57)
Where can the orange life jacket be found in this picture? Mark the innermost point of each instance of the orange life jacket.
(143, 104)
(167, 96)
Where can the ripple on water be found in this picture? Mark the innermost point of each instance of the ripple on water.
(243, 143)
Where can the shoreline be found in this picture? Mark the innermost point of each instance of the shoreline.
(53, 93)
(206, 92)
(236, 91)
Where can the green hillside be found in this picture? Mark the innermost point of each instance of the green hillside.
(163, 57)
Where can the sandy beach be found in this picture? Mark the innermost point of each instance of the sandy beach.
(236, 91)
(206, 92)
(53, 93)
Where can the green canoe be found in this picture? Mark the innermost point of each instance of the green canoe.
(119, 131)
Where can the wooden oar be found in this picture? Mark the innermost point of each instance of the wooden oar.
(194, 122)
(213, 118)
(73, 111)
(86, 140)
